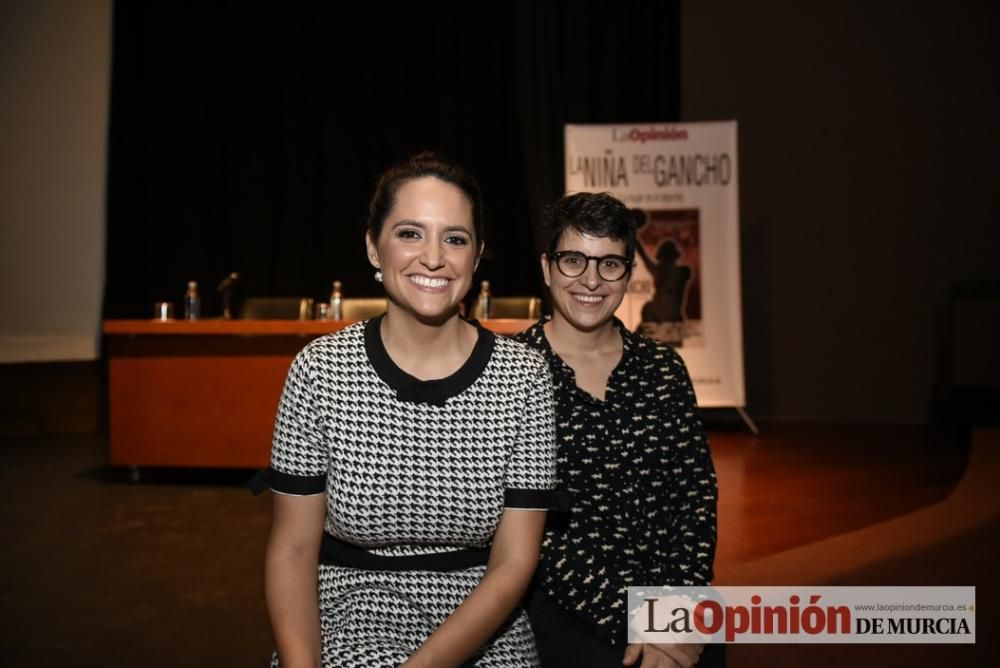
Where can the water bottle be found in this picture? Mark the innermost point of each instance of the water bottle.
(336, 302)
(485, 300)
(192, 305)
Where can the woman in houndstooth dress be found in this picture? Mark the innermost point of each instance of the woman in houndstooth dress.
(412, 454)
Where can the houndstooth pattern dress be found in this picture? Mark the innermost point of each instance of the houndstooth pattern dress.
(412, 467)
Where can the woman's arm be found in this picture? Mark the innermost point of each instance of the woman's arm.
(290, 577)
(651, 264)
(685, 553)
(513, 558)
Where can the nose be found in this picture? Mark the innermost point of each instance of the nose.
(590, 276)
(431, 257)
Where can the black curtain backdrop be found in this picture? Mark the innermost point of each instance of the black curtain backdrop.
(249, 139)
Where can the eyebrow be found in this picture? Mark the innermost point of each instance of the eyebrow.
(573, 250)
(422, 226)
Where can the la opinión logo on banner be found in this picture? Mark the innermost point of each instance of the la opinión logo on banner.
(802, 614)
(652, 133)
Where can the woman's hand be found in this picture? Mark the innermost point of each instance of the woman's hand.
(662, 656)
(513, 558)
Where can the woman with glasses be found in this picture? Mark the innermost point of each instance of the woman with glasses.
(632, 454)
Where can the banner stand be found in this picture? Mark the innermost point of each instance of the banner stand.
(747, 420)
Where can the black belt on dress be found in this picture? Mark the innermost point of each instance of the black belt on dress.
(336, 552)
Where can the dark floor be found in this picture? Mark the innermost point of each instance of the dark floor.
(167, 572)
(101, 572)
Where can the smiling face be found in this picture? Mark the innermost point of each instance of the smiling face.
(587, 302)
(426, 249)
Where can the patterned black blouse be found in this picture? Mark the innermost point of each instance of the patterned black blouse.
(639, 472)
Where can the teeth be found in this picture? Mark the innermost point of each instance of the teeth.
(588, 299)
(429, 282)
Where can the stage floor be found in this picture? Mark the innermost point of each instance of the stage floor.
(796, 484)
(167, 572)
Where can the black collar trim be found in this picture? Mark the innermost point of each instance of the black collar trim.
(435, 392)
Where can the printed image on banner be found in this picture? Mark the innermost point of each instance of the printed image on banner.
(669, 252)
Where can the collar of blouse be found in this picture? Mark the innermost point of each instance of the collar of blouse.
(565, 378)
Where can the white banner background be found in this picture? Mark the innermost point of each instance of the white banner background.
(684, 177)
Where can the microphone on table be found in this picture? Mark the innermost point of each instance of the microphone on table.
(226, 288)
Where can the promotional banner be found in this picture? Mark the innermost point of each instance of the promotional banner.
(681, 181)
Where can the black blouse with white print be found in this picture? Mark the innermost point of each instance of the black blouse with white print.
(639, 474)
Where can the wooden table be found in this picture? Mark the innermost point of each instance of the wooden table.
(205, 392)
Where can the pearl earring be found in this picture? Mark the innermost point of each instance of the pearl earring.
(378, 275)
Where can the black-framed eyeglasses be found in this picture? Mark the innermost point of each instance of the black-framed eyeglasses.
(572, 264)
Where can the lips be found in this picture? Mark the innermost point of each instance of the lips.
(589, 299)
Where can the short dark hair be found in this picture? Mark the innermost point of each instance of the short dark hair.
(418, 166)
(596, 214)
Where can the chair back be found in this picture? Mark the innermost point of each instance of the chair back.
(522, 308)
(363, 308)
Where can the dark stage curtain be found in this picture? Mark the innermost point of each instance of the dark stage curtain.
(248, 138)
